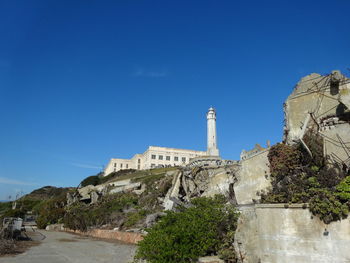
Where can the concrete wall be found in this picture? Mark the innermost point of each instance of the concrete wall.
(252, 178)
(275, 234)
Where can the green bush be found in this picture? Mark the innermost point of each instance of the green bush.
(134, 217)
(114, 175)
(91, 180)
(343, 189)
(190, 233)
(80, 216)
(50, 211)
(299, 178)
(327, 207)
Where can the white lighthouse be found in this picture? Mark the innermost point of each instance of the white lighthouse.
(212, 149)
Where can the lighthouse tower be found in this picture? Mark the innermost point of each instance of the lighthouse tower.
(212, 149)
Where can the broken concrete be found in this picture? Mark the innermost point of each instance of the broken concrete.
(195, 181)
(125, 188)
(321, 104)
(322, 96)
(278, 233)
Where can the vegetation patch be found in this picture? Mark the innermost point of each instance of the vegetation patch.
(298, 177)
(206, 227)
(81, 216)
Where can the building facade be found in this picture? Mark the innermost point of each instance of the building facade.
(156, 156)
(153, 157)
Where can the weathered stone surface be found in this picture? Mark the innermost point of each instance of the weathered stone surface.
(198, 181)
(120, 189)
(337, 142)
(173, 192)
(94, 197)
(317, 95)
(210, 259)
(55, 227)
(274, 234)
(120, 183)
(152, 219)
(252, 178)
(85, 191)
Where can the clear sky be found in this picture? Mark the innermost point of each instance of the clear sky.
(84, 81)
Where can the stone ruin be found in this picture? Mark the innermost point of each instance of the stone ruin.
(321, 105)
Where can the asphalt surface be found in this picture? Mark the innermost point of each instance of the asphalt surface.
(59, 247)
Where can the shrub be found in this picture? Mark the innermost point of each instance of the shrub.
(51, 212)
(91, 180)
(284, 160)
(115, 175)
(190, 233)
(134, 217)
(327, 207)
(343, 189)
(80, 216)
(299, 178)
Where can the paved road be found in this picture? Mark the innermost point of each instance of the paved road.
(59, 247)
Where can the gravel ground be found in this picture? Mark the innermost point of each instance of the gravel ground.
(59, 247)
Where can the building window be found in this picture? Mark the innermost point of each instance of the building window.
(127, 166)
(167, 158)
(114, 169)
(183, 159)
(153, 156)
(139, 160)
(160, 157)
(121, 165)
(138, 167)
(115, 165)
(152, 165)
(176, 159)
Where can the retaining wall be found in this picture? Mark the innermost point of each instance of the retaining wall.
(127, 237)
(275, 234)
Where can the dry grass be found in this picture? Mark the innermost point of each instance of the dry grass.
(12, 247)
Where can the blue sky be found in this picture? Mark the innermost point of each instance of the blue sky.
(84, 81)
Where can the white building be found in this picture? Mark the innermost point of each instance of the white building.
(153, 157)
(156, 156)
